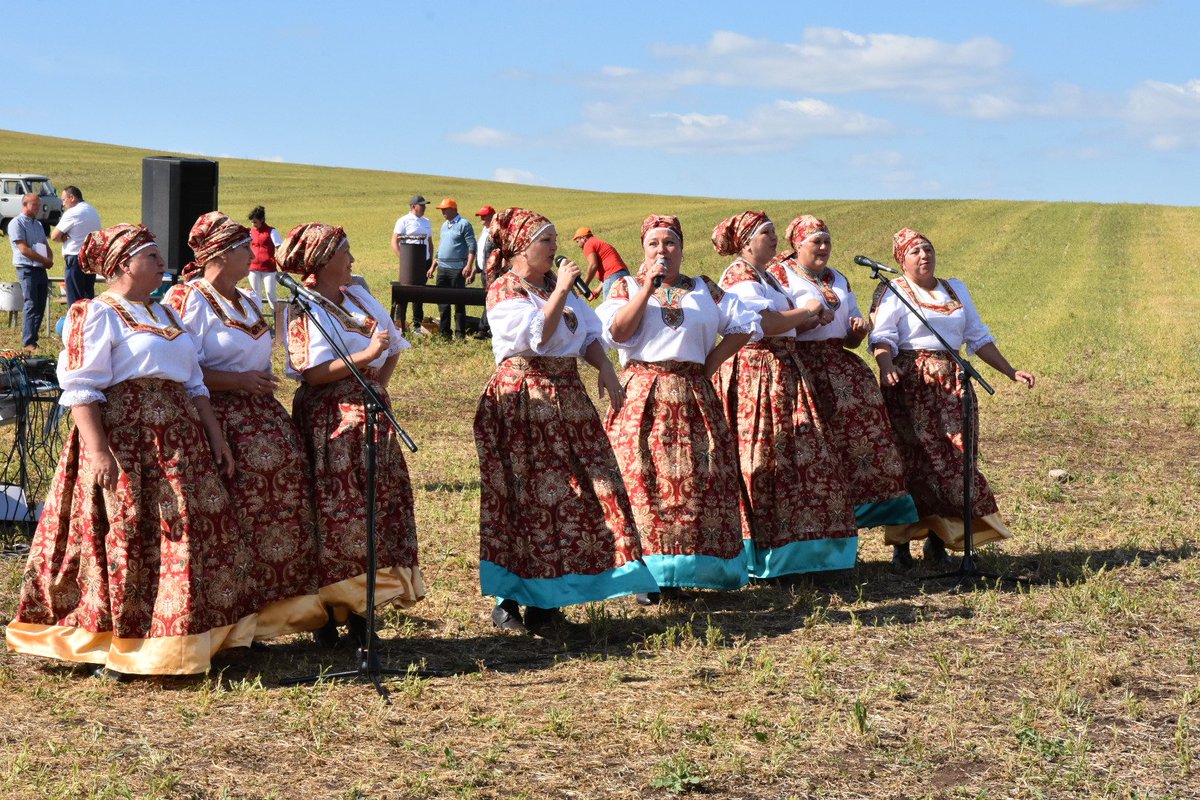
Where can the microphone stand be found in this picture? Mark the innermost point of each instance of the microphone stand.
(968, 571)
(369, 669)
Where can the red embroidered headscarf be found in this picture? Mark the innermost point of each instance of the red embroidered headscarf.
(103, 251)
(903, 240)
(668, 221)
(512, 231)
(308, 247)
(731, 235)
(804, 226)
(213, 234)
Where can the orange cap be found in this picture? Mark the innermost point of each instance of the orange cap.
(449, 202)
(582, 232)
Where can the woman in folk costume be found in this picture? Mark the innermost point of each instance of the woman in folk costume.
(269, 488)
(138, 564)
(924, 398)
(330, 413)
(846, 391)
(671, 436)
(796, 514)
(555, 525)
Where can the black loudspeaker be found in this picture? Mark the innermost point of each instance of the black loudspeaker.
(175, 191)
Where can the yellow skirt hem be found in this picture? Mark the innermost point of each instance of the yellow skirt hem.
(988, 528)
(165, 655)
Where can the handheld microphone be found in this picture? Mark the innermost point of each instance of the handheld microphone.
(863, 261)
(580, 287)
(657, 282)
(298, 288)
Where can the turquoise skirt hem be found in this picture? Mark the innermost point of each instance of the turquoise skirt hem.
(815, 555)
(698, 572)
(896, 511)
(566, 590)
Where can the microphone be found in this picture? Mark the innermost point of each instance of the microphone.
(863, 261)
(298, 288)
(580, 287)
(657, 282)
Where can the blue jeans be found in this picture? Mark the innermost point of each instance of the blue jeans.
(36, 287)
(79, 284)
(453, 279)
(611, 279)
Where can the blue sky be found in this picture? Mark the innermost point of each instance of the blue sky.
(1025, 99)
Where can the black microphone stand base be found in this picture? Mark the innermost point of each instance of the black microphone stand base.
(968, 575)
(368, 671)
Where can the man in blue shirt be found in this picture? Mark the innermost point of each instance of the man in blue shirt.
(454, 265)
(32, 256)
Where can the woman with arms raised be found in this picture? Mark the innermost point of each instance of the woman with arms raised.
(555, 526)
(270, 484)
(671, 437)
(796, 516)
(138, 564)
(845, 389)
(330, 413)
(924, 398)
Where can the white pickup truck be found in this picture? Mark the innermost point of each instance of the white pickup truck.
(14, 186)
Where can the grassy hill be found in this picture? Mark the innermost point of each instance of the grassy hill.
(869, 684)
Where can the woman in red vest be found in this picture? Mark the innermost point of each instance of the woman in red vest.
(263, 241)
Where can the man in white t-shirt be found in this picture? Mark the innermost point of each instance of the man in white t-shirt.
(78, 220)
(414, 228)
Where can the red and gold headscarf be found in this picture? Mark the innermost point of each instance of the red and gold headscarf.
(309, 247)
(903, 240)
(512, 231)
(668, 221)
(804, 226)
(731, 235)
(103, 251)
(213, 234)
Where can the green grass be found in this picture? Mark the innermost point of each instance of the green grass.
(860, 685)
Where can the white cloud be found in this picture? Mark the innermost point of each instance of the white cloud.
(514, 175)
(1166, 116)
(480, 136)
(1059, 100)
(778, 126)
(830, 60)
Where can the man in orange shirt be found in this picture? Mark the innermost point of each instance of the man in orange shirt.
(603, 261)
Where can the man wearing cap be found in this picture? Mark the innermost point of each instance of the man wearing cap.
(483, 250)
(454, 265)
(414, 228)
(603, 261)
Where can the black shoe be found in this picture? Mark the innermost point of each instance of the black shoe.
(672, 594)
(647, 598)
(507, 617)
(327, 635)
(105, 673)
(934, 550)
(901, 557)
(259, 647)
(548, 623)
(356, 628)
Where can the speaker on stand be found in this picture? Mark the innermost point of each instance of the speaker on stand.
(175, 191)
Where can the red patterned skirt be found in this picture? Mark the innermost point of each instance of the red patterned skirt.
(150, 578)
(269, 491)
(678, 458)
(551, 500)
(792, 482)
(851, 407)
(925, 408)
(333, 421)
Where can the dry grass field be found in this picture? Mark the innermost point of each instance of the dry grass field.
(870, 684)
